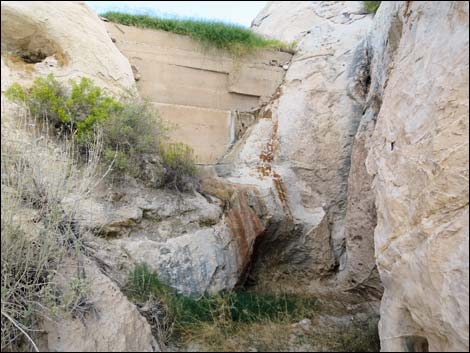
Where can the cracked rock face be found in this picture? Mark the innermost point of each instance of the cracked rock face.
(395, 96)
(113, 324)
(195, 244)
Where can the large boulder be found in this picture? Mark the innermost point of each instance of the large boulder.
(65, 38)
(419, 159)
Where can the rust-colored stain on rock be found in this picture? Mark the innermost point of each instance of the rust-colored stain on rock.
(245, 226)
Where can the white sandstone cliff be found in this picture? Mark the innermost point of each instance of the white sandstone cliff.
(419, 158)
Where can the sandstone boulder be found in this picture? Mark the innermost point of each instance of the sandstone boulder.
(65, 38)
(196, 244)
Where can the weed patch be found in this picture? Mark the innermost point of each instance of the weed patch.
(37, 232)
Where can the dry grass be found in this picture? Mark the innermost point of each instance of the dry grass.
(37, 232)
(281, 336)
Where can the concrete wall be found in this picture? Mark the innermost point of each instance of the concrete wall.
(197, 88)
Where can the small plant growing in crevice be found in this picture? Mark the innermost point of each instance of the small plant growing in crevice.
(180, 169)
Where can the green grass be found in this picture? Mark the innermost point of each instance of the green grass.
(372, 6)
(235, 39)
(241, 320)
(225, 309)
(240, 306)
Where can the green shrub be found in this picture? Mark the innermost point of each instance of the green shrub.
(130, 129)
(180, 169)
(131, 132)
(76, 111)
(371, 6)
(88, 106)
(235, 39)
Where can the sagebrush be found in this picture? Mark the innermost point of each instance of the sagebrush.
(38, 231)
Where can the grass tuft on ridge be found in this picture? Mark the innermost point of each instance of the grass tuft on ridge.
(232, 38)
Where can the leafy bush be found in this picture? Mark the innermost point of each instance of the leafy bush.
(235, 39)
(87, 106)
(130, 128)
(132, 131)
(371, 6)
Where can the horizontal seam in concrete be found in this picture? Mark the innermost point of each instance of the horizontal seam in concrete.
(192, 106)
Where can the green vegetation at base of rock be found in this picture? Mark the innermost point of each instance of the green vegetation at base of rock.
(371, 6)
(234, 306)
(233, 38)
(237, 320)
(132, 137)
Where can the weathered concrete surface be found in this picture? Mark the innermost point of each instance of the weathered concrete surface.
(187, 78)
(209, 131)
(420, 162)
(176, 69)
(63, 38)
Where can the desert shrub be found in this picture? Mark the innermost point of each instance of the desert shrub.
(133, 130)
(88, 106)
(45, 98)
(130, 129)
(180, 168)
(76, 111)
(26, 266)
(371, 6)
